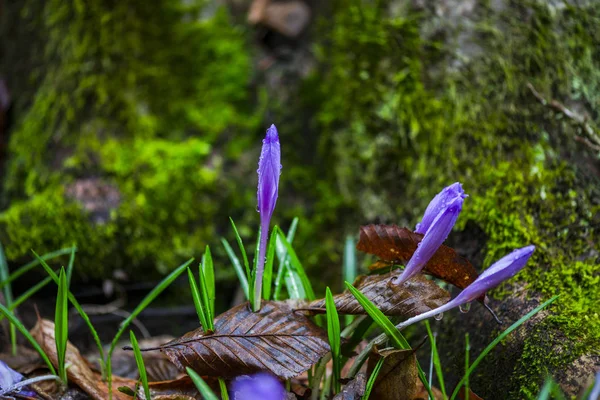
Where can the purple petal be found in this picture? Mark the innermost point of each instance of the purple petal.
(8, 376)
(261, 386)
(500, 271)
(434, 237)
(269, 169)
(439, 202)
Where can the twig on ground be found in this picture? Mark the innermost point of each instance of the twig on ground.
(593, 138)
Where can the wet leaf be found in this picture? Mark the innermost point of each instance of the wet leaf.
(79, 371)
(275, 339)
(354, 390)
(396, 245)
(416, 296)
(398, 378)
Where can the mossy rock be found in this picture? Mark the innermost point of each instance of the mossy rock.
(135, 102)
(411, 102)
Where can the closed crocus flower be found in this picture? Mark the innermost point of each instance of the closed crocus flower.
(261, 386)
(439, 219)
(269, 169)
(500, 271)
(438, 204)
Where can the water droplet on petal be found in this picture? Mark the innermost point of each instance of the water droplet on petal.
(439, 316)
(464, 308)
(257, 209)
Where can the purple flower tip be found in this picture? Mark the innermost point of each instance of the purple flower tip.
(439, 219)
(261, 386)
(500, 271)
(438, 203)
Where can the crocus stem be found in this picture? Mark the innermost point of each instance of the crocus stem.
(260, 265)
(381, 339)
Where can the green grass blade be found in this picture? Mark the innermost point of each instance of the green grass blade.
(380, 319)
(29, 266)
(283, 258)
(202, 386)
(158, 289)
(349, 267)
(388, 327)
(297, 267)
(373, 378)
(223, 387)
(209, 277)
(71, 265)
(204, 299)
(79, 309)
(268, 272)
(8, 296)
(333, 332)
(19, 326)
(240, 243)
(467, 358)
(436, 360)
(546, 389)
(500, 337)
(139, 360)
(294, 286)
(237, 266)
(61, 324)
(197, 301)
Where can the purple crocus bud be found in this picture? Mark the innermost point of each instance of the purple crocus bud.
(438, 204)
(269, 169)
(501, 270)
(446, 206)
(261, 386)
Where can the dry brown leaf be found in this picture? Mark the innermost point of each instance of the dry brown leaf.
(79, 371)
(275, 339)
(354, 390)
(416, 296)
(396, 245)
(398, 376)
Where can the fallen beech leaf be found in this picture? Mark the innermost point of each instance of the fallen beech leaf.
(354, 390)
(274, 339)
(414, 297)
(79, 371)
(397, 245)
(398, 377)
(424, 395)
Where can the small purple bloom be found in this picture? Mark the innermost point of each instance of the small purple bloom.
(269, 169)
(9, 381)
(261, 386)
(438, 221)
(438, 204)
(501, 270)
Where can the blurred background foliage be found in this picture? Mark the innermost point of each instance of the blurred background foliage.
(136, 128)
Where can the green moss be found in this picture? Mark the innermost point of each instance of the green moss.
(47, 221)
(415, 114)
(134, 93)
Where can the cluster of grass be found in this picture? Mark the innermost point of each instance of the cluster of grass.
(290, 274)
